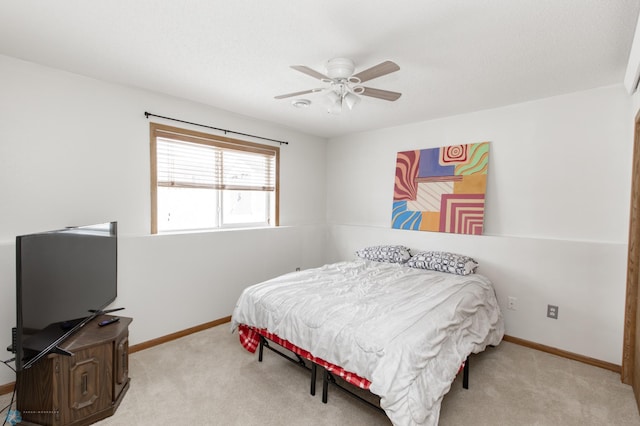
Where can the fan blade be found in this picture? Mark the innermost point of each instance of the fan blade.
(384, 68)
(304, 92)
(309, 71)
(381, 94)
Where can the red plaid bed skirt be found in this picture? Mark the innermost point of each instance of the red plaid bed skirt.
(250, 340)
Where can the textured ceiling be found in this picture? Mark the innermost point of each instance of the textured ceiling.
(455, 56)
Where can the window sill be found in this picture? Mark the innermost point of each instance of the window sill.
(216, 230)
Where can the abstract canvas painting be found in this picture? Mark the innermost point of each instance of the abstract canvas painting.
(441, 189)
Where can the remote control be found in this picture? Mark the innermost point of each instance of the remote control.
(108, 321)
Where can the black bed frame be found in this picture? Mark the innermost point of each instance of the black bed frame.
(299, 361)
(328, 378)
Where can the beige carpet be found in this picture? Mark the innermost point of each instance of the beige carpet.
(208, 379)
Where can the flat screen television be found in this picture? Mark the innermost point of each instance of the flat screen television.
(64, 279)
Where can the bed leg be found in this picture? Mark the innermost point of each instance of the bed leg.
(465, 374)
(261, 347)
(325, 385)
(314, 371)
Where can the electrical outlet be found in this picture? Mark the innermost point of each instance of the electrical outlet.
(552, 311)
(512, 303)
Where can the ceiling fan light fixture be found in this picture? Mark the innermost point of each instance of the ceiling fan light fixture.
(333, 97)
(335, 107)
(351, 100)
(343, 87)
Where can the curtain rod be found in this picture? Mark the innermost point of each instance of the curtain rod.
(147, 114)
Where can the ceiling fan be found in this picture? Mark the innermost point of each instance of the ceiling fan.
(344, 86)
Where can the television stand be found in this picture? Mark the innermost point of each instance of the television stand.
(81, 389)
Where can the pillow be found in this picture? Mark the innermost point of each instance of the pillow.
(389, 254)
(444, 262)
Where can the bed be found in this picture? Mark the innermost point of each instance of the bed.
(405, 331)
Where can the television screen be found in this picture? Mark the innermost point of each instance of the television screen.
(64, 279)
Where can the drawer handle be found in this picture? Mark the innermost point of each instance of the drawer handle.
(84, 384)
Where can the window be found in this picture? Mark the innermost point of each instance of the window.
(200, 181)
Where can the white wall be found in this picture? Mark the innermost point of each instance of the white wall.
(557, 209)
(75, 151)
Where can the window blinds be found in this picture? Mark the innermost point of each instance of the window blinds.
(195, 165)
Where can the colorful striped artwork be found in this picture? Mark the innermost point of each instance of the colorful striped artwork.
(441, 189)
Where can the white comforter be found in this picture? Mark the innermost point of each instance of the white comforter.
(406, 330)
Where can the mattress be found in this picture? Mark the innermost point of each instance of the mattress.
(405, 330)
